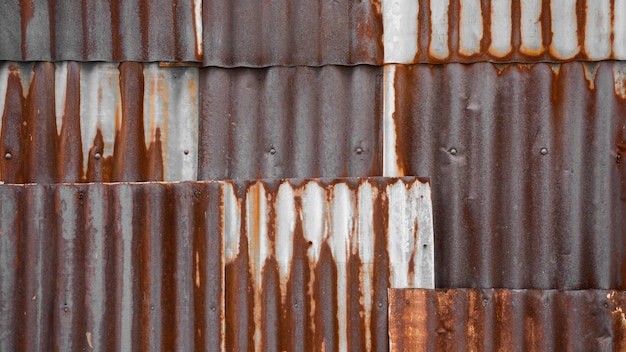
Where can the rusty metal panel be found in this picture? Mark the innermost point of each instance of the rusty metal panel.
(111, 267)
(234, 265)
(439, 31)
(283, 122)
(255, 33)
(527, 167)
(116, 30)
(76, 122)
(506, 320)
(309, 262)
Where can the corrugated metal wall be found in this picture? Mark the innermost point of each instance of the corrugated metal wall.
(525, 155)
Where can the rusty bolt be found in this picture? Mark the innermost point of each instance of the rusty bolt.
(8, 156)
(380, 304)
(453, 151)
(186, 151)
(272, 151)
(619, 158)
(81, 196)
(213, 309)
(196, 193)
(543, 151)
(97, 156)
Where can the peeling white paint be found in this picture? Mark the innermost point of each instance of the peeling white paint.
(564, 29)
(598, 29)
(390, 164)
(619, 78)
(313, 219)
(619, 29)
(4, 81)
(60, 90)
(400, 37)
(231, 222)
(364, 239)
(532, 41)
(471, 27)
(439, 24)
(198, 26)
(501, 28)
(285, 209)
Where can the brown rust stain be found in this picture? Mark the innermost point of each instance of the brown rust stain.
(70, 166)
(12, 129)
(27, 11)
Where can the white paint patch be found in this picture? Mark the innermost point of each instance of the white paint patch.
(564, 29)
(619, 78)
(100, 105)
(390, 163)
(197, 12)
(532, 41)
(471, 27)
(501, 28)
(619, 29)
(60, 92)
(400, 37)
(285, 209)
(231, 222)
(313, 205)
(342, 227)
(171, 105)
(409, 229)
(4, 81)
(439, 24)
(364, 239)
(598, 29)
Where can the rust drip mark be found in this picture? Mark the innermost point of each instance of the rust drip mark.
(27, 12)
(116, 35)
(12, 131)
(70, 139)
(52, 27)
(591, 69)
(99, 167)
(619, 79)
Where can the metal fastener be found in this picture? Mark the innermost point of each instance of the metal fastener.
(186, 151)
(272, 151)
(8, 156)
(359, 150)
(81, 196)
(97, 156)
(543, 151)
(453, 151)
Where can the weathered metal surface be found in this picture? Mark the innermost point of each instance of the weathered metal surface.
(116, 30)
(437, 31)
(125, 267)
(290, 122)
(506, 320)
(308, 263)
(233, 265)
(527, 167)
(71, 122)
(255, 33)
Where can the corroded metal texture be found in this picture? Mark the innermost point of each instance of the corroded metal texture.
(115, 30)
(124, 267)
(308, 263)
(254, 33)
(527, 167)
(234, 265)
(71, 122)
(439, 31)
(290, 122)
(506, 320)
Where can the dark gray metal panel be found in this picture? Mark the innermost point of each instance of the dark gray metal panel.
(255, 33)
(290, 122)
(129, 30)
(527, 168)
(506, 320)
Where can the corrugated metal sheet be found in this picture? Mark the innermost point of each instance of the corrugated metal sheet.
(71, 122)
(308, 263)
(507, 320)
(290, 122)
(527, 167)
(116, 30)
(255, 33)
(254, 123)
(292, 264)
(435, 31)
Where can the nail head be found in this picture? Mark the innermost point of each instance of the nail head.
(8, 156)
(453, 151)
(186, 151)
(97, 156)
(543, 151)
(272, 151)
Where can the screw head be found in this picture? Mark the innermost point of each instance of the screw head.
(453, 151)
(359, 150)
(543, 151)
(8, 156)
(272, 151)
(97, 156)
(186, 151)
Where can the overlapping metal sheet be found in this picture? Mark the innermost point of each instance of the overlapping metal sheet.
(527, 167)
(292, 264)
(116, 30)
(290, 122)
(441, 31)
(255, 33)
(506, 320)
(71, 122)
